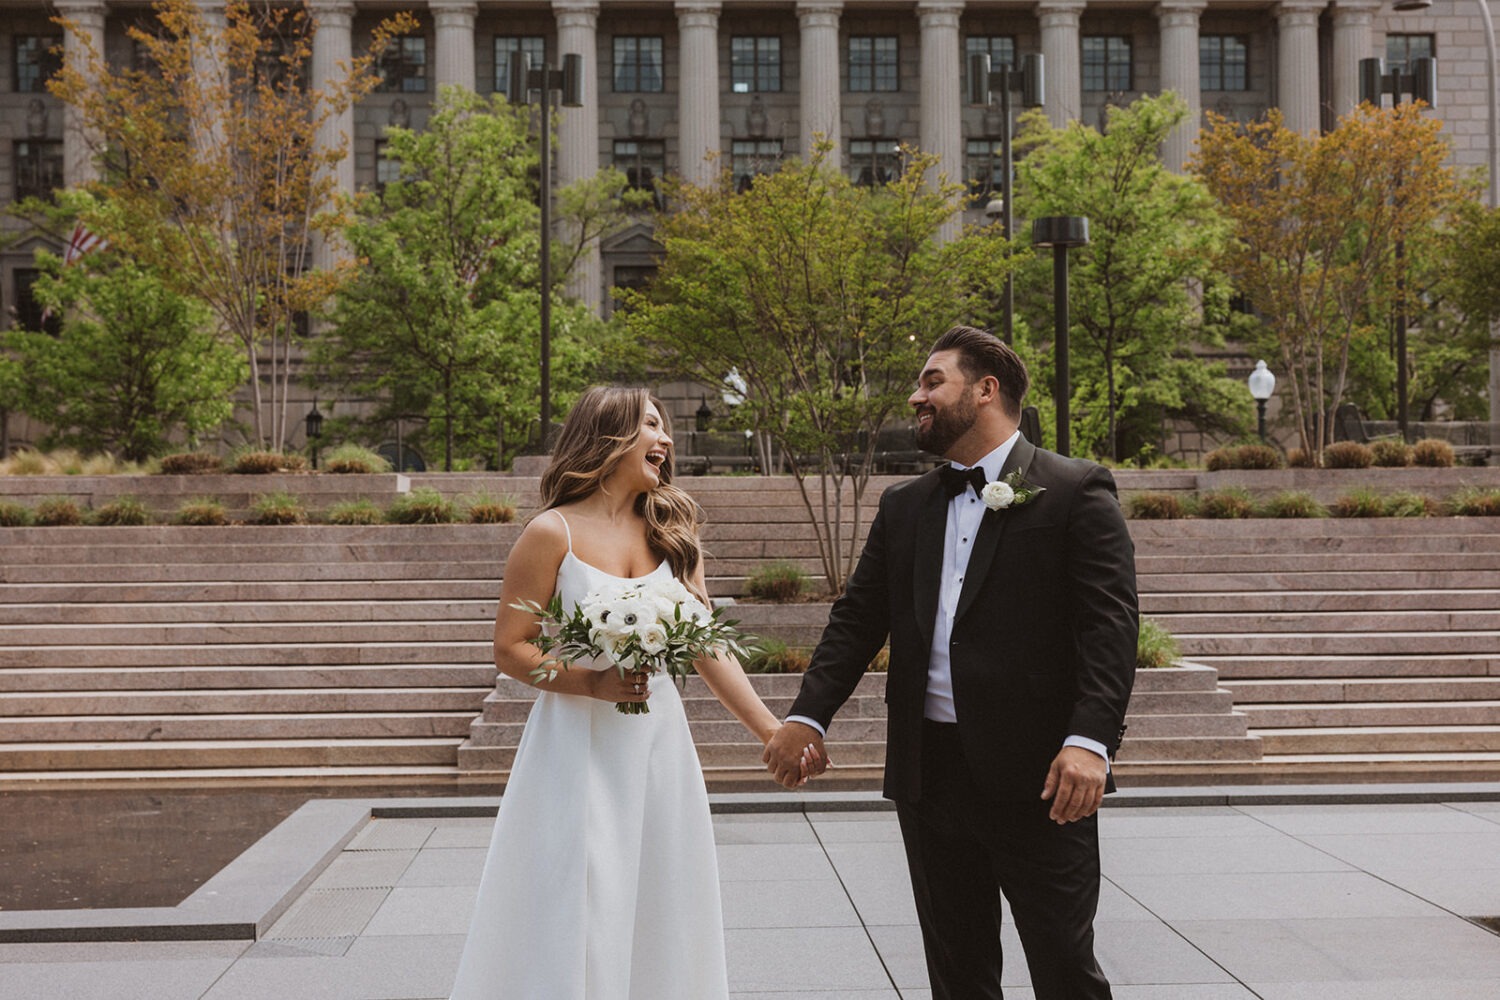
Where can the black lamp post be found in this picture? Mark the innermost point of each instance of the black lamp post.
(1060, 232)
(983, 80)
(1421, 84)
(703, 416)
(1262, 383)
(523, 81)
(314, 428)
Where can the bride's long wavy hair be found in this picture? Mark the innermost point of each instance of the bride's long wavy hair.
(601, 429)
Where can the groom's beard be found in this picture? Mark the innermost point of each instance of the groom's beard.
(948, 425)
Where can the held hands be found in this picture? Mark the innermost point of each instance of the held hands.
(794, 754)
(1075, 784)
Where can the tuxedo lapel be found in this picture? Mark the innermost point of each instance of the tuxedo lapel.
(932, 521)
(991, 530)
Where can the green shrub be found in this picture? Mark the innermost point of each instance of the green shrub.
(1407, 504)
(122, 511)
(777, 581)
(190, 463)
(361, 511)
(423, 505)
(1347, 455)
(1301, 458)
(13, 515)
(1475, 501)
(483, 508)
(1433, 453)
(772, 656)
(1225, 504)
(202, 512)
(1293, 503)
(1389, 454)
(1358, 503)
(1242, 456)
(278, 508)
(1155, 647)
(257, 463)
(1219, 459)
(1154, 505)
(59, 512)
(353, 458)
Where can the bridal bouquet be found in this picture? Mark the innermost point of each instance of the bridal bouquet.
(654, 626)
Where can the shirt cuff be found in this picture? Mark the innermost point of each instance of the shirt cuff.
(807, 722)
(1092, 745)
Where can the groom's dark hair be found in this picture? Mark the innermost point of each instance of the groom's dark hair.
(981, 353)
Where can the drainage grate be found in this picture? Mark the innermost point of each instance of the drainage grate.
(329, 913)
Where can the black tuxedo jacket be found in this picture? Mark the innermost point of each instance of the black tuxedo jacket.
(1043, 642)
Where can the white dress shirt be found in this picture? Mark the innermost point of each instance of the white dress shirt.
(965, 513)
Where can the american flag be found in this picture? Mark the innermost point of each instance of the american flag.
(83, 241)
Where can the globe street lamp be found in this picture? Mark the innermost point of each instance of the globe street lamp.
(314, 428)
(1060, 232)
(1262, 384)
(523, 81)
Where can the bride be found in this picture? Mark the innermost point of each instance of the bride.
(601, 881)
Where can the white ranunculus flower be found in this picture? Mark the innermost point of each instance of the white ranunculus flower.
(653, 639)
(998, 495)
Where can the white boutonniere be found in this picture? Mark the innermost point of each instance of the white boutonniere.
(1010, 491)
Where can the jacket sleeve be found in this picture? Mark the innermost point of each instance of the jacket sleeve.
(857, 627)
(1104, 612)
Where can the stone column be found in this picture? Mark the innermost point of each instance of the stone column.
(578, 130)
(453, 61)
(941, 106)
(1351, 43)
(821, 109)
(80, 142)
(1062, 53)
(698, 91)
(333, 45)
(1297, 64)
(1178, 20)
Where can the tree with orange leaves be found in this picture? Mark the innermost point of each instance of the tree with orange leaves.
(212, 173)
(1317, 223)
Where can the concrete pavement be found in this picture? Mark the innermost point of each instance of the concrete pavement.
(1352, 893)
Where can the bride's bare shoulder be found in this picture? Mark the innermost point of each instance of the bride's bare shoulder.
(545, 533)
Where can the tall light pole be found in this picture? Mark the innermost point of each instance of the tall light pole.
(523, 81)
(982, 80)
(1492, 70)
(1060, 232)
(1421, 83)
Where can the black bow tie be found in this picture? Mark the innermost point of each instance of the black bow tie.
(956, 480)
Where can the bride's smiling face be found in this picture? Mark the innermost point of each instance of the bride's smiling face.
(651, 452)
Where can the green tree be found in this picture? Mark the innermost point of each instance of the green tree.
(823, 297)
(1141, 288)
(442, 321)
(136, 364)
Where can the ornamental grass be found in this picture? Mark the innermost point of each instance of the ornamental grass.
(778, 581)
(1225, 504)
(1348, 455)
(203, 512)
(1475, 501)
(123, 511)
(1293, 503)
(355, 459)
(1154, 505)
(1155, 647)
(59, 512)
(1433, 453)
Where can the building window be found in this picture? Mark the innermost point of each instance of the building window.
(36, 61)
(630, 278)
(873, 63)
(387, 169)
(642, 161)
(1400, 50)
(29, 314)
(403, 66)
(535, 47)
(755, 64)
(1223, 62)
(638, 64)
(1000, 48)
(984, 166)
(874, 161)
(749, 158)
(38, 167)
(1106, 63)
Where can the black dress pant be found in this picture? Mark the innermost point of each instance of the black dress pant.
(964, 852)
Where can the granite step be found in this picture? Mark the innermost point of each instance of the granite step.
(219, 701)
(1381, 713)
(142, 679)
(249, 654)
(1240, 602)
(1233, 668)
(1381, 739)
(301, 725)
(1336, 689)
(1198, 645)
(1257, 581)
(235, 591)
(1229, 564)
(1276, 543)
(1368, 623)
(18, 637)
(214, 753)
(222, 572)
(177, 614)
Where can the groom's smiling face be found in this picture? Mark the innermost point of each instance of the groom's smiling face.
(944, 403)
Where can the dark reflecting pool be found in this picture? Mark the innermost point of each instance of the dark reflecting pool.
(142, 847)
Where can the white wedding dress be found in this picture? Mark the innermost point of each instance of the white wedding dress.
(601, 881)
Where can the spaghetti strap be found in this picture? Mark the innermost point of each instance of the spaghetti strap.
(566, 530)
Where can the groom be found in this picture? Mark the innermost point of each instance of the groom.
(1012, 624)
